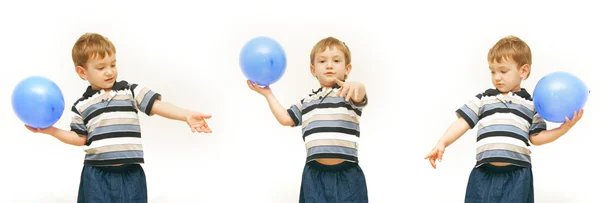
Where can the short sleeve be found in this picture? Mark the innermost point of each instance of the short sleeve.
(470, 111)
(361, 104)
(295, 112)
(537, 124)
(144, 98)
(77, 124)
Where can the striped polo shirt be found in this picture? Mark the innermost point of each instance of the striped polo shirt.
(110, 122)
(505, 123)
(330, 125)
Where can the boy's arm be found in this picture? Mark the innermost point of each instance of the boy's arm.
(548, 136)
(455, 131)
(68, 137)
(285, 117)
(170, 111)
(281, 114)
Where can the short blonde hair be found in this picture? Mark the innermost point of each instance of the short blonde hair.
(91, 45)
(330, 42)
(511, 48)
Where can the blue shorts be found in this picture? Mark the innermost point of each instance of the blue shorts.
(500, 184)
(113, 184)
(344, 182)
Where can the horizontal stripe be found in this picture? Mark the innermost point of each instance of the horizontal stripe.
(112, 115)
(113, 121)
(115, 155)
(500, 146)
(328, 111)
(342, 143)
(114, 161)
(330, 135)
(89, 112)
(331, 150)
(329, 123)
(503, 128)
(114, 141)
(508, 118)
(115, 109)
(330, 117)
(490, 112)
(501, 140)
(503, 134)
(340, 105)
(503, 154)
(114, 148)
(114, 135)
(115, 128)
(332, 129)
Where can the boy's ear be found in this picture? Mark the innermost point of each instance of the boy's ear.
(312, 70)
(81, 72)
(348, 69)
(525, 71)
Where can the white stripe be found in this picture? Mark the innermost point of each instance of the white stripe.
(505, 116)
(502, 140)
(111, 115)
(329, 111)
(114, 141)
(330, 136)
(123, 92)
(84, 102)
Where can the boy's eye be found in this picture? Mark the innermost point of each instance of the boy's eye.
(337, 61)
(322, 61)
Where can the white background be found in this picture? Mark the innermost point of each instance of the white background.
(419, 60)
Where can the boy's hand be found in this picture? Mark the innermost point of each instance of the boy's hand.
(436, 153)
(197, 122)
(264, 91)
(351, 90)
(568, 124)
(38, 130)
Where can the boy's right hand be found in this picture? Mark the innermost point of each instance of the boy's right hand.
(436, 153)
(38, 130)
(264, 91)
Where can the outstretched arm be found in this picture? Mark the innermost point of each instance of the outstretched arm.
(195, 120)
(280, 113)
(68, 137)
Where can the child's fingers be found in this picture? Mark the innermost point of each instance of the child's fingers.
(440, 154)
(349, 94)
(432, 162)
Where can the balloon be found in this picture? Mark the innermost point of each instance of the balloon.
(263, 61)
(558, 95)
(38, 102)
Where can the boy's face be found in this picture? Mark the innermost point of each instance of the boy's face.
(101, 73)
(328, 65)
(507, 76)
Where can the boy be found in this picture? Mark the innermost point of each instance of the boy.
(330, 127)
(507, 122)
(105, 121)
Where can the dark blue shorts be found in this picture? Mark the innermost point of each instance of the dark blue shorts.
(344, 182)
(500, 184)
(113, 184)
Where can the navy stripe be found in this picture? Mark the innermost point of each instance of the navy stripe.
(503, 134)
(109, 109)
(113, 135)
(331, 129)
(113, 161)
(294, 117)
(503, 128)
(150, 103)
(101, 105)
(115, 155)
(486, 113)
(331, 105)
(467, 118)
(79, 132)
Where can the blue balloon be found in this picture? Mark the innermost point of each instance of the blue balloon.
(558, 95)
(38, 102)
(263, 60)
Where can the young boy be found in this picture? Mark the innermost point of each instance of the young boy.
(105, 121)
(330, 127)
(507, 122)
